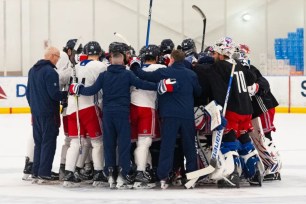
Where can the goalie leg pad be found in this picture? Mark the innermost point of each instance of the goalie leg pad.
(228, 160)
(250, 159)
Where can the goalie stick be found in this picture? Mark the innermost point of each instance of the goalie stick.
(217, 137)
(77, 44)
(198, 10)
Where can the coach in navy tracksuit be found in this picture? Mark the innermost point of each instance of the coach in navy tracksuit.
(176, 112)
(116, 83)
(43, 95)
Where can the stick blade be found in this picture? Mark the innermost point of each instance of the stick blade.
(199, 11)
(201, 172)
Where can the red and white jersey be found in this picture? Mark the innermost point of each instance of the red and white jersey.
(63, 68)
(87, 73)
(143, 98)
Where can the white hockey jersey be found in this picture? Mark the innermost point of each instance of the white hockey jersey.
(87, 73)
(63, 68)
(143, 98)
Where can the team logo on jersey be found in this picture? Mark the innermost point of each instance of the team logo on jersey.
(2, 94)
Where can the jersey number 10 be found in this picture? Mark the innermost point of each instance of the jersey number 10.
(240, 81)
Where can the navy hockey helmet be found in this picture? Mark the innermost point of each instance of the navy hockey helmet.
(166, 46)
(70, 45)
(151, 50)
(118, 47)
(93, 48)
(188, 46)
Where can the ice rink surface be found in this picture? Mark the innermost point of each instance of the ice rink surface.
(290, 138)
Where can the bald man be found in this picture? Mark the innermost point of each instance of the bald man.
(43, 95)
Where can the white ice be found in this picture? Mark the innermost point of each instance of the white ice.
(290, 138)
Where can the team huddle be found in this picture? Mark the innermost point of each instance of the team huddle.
(158, 118)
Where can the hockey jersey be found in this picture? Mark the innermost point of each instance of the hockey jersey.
(263, 99)
(143, 98)
(86, 73)
(218, 75)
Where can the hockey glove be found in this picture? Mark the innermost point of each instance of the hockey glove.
(74, 89)
(167, 85)
(166, 59)
(253, 89)
(134, 62)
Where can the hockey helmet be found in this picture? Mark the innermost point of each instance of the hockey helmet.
(118, 47)
(166, 46)
(188, 46)
(151, 50)
(70, 45)
(92, 48)
(225, 46)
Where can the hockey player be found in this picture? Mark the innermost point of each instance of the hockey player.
(190, 50)
(144, 121)
(43, 96)
(176, 112)
(84, 119)
(69, 58)
(264, 104)
(166, 47)
(238, 114)
(115, 83)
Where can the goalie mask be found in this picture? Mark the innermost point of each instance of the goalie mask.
(225, 46)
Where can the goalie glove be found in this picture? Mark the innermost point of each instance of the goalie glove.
(167, 85)
(74, 88)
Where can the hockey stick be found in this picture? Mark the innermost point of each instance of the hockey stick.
(197, 9)
(149, 23)
(77, 44)
(194, 176)
(122, 38)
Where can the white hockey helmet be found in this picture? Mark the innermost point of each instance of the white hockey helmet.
(224, 46)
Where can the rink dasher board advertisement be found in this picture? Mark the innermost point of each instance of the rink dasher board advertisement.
(289, 91)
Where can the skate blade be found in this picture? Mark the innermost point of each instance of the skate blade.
(100, 184)
(124, 186)
(69, 184)
(141, 185)
(47, 182)
(27, 177)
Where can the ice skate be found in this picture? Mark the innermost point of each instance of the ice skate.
(232, 181)
(27, 171)
(70, 180)
(111, 178)
(143, 180)
(164, 183)
(123, 182)
(272, 177)
(82, 174)
(99, 179)
(47, 180)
